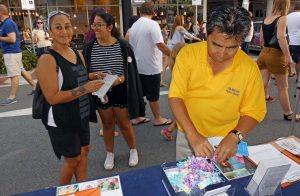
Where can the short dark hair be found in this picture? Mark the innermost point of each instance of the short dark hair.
(109, 20)
(297, 6)
(147, 8)
(234, 21)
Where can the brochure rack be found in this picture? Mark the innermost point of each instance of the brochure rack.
(262, 189)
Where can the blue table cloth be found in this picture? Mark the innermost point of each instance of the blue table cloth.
(148, 182)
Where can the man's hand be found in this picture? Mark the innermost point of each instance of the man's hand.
(200, 146)
(227, 147)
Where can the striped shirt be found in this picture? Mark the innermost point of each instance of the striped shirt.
(107, 59)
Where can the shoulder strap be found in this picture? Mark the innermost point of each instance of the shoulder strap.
(54, 54)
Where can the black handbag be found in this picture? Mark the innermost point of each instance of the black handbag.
(38, 103)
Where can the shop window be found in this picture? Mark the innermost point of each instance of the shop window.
(102, 2)
(4, 2)
(65, 2)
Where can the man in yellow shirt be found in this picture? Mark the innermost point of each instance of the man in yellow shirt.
(216, 89)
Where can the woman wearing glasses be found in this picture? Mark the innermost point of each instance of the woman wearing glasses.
(64, 82)
(109, 54)
(40, 37)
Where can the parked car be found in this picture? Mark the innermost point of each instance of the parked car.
(255, 42)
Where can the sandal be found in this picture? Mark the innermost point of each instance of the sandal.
(167, 134)
(289, 117)
(292, 74)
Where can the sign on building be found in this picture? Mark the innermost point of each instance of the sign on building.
(196, 2)
(27, 5)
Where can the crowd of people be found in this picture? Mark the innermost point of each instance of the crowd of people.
(207, 75)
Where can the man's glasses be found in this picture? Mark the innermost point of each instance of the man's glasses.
(98, 25)
(39, 23)
(54, 13)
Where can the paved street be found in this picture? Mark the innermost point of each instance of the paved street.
(27, 161)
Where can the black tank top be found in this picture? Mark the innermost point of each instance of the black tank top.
(75, 113)
(268, 30)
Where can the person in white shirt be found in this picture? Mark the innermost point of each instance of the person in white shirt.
(148, 45)
(246, 43)
(41, 37)
(294, 35)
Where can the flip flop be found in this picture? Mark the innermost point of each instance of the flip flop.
(167, 122)
(145, 120)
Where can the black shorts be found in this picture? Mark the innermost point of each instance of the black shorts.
(151, 86)
(295, 50)
(117, 97)
(67, 142)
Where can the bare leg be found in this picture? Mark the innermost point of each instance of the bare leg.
(282, 85)
(158, 119)
(81, 168)
(68, 169)
(297, 67)
(266, 78)
(162, 74)
(108, 126)
(14, 87)
(28, 78)
(122, 117)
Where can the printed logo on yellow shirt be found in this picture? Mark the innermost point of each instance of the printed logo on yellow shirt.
(233, 91)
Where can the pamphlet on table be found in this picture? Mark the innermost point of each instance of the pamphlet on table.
(269, 152)
(106, 186)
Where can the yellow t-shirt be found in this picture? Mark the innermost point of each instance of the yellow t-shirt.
(216, 102)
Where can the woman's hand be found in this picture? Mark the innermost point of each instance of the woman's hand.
(118, 81)
(98, 75)
(93, 85)
(288, 61)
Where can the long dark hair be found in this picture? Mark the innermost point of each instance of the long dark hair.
(109, 20)
(234, 21)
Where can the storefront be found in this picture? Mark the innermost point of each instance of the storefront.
(79, 11)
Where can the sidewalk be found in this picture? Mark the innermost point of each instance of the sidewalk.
(5, 81)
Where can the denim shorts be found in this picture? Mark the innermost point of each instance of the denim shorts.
(295, 51)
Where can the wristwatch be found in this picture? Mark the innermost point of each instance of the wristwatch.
(238, 134)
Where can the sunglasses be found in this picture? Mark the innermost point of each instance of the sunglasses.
(54, 13)
(39, 23)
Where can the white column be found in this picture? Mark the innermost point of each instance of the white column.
(245, 4)
(269, 7)
(204, 10)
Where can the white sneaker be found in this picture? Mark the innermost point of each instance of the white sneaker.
(109, 161)
(133, 158)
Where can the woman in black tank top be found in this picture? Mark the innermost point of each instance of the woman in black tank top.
(64, 83)
(276, 59)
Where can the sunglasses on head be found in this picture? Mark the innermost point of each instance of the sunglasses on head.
(54, 13)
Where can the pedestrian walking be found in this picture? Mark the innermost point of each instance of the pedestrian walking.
(12, 54)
